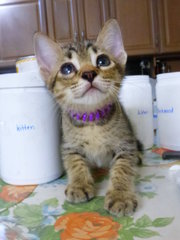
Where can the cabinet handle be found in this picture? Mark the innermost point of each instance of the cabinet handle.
(82, 36)
(75, 37)
(156, 41)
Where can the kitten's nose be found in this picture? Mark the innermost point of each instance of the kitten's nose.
(89, 75)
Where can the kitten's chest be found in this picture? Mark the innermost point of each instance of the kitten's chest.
(95, 144)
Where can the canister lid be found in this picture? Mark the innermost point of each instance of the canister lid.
(21, 80)
(171, 75)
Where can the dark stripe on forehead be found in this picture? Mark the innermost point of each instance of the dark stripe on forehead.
(94, 48)
(69, 54)
(89, 45)
(73, 49)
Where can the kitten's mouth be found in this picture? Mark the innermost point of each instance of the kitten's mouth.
(92, 89)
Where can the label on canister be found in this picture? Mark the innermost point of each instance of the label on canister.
(26, 64)
(168, 110)
(136, 99)
(27, 111)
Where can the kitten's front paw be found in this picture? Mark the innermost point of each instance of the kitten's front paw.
(79, 193)
(120, 203)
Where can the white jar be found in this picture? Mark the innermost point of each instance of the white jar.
(29, 130)
(168, 103)
(136, 98)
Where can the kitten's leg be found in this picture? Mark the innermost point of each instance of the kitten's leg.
(120, 198)
(81, 185)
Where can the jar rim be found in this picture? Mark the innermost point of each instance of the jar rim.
(21, 80)
(137, 78)
(162, 76)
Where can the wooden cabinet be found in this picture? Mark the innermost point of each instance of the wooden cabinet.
(19, 20)
(71, 20)
(92, 16)
(148, 26)
(62, 20)
(169, 25)
(137, 20)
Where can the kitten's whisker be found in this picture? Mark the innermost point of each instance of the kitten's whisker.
(115, 90)
(56, 108)
(57, 112)
(78, 87)
(115, 94)
(57, 95)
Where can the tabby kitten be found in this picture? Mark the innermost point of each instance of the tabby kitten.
(85, 80)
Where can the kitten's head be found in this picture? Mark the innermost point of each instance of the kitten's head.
(83, 77)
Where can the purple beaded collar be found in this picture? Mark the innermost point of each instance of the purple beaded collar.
(97, 115)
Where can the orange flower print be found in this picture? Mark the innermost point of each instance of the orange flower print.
(15, 194)
(87, 225)
(160, 151)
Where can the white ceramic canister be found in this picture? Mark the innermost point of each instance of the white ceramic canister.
(29, 130)
(136, 98)
(26, 64)
(168, 104)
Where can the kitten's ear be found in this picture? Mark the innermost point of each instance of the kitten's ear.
(48, 54)
(110, 39)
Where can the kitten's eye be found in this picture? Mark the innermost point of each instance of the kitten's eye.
(67, 68)
(103, 60)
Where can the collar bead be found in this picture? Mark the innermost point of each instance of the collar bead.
(97, 115)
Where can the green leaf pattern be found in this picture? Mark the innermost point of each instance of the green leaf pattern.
(31, 217)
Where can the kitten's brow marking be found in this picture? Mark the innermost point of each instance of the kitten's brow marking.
(90, 45)
(69, 55)
(94, 49)
(72, 49)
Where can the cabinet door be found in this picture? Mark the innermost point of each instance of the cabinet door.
(19, 20)
(169, 19)
(137, 21)
(92, 15)
(62, 20)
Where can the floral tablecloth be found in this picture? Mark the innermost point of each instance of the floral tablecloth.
(42, 213)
